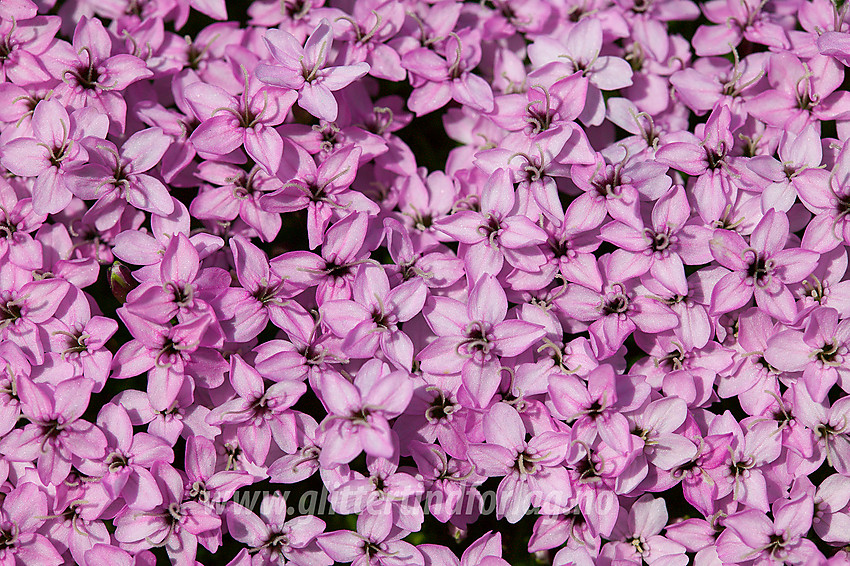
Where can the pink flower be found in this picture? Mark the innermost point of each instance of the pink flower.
(260, 412)
(830, 202)
(236, 194)
(25, 40)
(819, 353)
(385, 498)
(56, 433)
(53, 152)
(165, 352)
(264, 294)
(613, 306)
(594, 408)
(18, 220)
(761, 269)
(751, 535)
(118, 179)
(371, 319)
(25, 305)
(176, 524)
(333, 271)
(638, 539)
(486, 551)
(531, 471)
(367, 548)
(228, 122)
(129, 457)
(580, 52)
(359, 412)
(23, 513)
(471, 337)
(322, 190)
(446, 75)
(91, 75)
(496, 233)
(271, 538)
(449, 484)
(306, 69)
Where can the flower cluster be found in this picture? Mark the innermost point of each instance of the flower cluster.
(585, 258)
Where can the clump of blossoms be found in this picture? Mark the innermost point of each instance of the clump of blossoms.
(424, 283)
